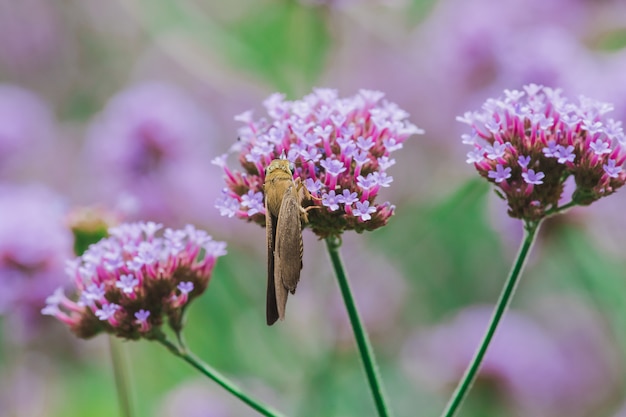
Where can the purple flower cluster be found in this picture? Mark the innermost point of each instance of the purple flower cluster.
(530, 142)
(127, 282)
(340, 149)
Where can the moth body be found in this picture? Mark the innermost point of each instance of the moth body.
(283, 219)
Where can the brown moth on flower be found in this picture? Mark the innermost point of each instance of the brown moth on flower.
(340, 148)
(284, 215)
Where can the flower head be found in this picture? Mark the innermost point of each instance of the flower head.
(530, 142)
(340, 149)
(127, 282)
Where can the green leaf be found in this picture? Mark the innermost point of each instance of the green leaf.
(612, 41)
(419, 9)
(286, 44)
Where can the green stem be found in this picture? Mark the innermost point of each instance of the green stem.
(121, 378)
(367, 354)
(561, 209)
(503, 302)
(219, 378)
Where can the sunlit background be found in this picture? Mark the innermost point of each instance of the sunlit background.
(124, 103)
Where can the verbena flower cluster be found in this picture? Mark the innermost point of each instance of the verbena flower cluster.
(340, 147)
(530, 142)
(128, 282)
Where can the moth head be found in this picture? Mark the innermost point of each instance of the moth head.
(282, 165)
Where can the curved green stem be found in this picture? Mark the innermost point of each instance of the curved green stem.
(561, 209)
(367, 354)
(121, 378)
(503, 302)
(219, 378)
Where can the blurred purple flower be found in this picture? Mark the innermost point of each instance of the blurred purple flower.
(150, 148)
(26, 124)
(472, 53)
(337, 146)
(193, 400)
(561, 138)
(31, 35)
(34, 244)
(127, 282)
(199, 399)
(559, 367)
(30, 386)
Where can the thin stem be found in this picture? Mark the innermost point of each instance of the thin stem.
(561, 209)
(367, 354)
(182, 345)
(503, 302)
(221, 380)
(121, 378)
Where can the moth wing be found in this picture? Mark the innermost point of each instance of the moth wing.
(288, 249)
(303, 195)
(271, 310)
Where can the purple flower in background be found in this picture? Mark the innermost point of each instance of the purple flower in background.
(26, 124)
(351, 139)
(194, 400)
(198, 398)
(30, 384)
(149, 147)
(127, 282)
(542, 368)
(34, 244)
(545, 147)
(31, 36)
(470, 52)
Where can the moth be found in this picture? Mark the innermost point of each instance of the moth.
(284, 216)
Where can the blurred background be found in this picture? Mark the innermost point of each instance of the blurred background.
(122, 104)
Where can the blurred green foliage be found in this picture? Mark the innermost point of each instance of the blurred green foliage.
(612, 41)
(284, 43)
(287, 45)
(450, 254)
